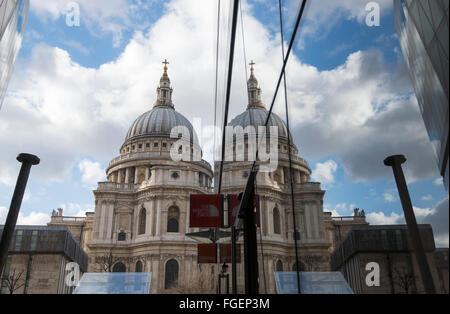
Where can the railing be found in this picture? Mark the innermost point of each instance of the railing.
(64, 219)
(112, 186)
(150, 155)
(349, 218)
(122, 187)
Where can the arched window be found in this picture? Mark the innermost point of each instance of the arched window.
(279, 266)
(139, 267)
(142, 221)
(276, 221)
(119, 268)
(171, 274)
(173, 218)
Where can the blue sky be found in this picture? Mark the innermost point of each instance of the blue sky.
(80, 88)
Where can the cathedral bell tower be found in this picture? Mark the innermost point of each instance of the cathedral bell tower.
(164, 91)
(254, 92)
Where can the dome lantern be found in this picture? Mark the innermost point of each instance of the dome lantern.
(254, 92)
(164, 91)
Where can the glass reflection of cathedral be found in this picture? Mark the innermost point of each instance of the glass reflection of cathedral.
(142, 212)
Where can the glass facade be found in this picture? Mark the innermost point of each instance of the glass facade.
(13, 19)
(114, 283)
(422, 28)
(312, 283)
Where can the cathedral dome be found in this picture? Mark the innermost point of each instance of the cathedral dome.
(256, 114)
(257, 117)
(163, 118)
(158, 123)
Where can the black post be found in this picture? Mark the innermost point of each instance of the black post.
(27, 161)
(233, 260)
(416, 242)
(247, 213)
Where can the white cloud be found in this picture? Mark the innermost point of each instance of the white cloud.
(324, 172)
(380, 218)
(92, 172)
(437, 217)
(355, 111)
(76, 210)
(32, 219)
(340, 210)
(428, 197)
(3, 214)
(27, 197)
(438, 181)
(389, 197)
(102, 17)
(321, 16)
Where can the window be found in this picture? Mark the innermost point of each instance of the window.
(279, 266)
(140, 146)
(34, 237)
(276, 221)
(119, 268)
(245, 175)
(147, 145)
(171, 274)
(172, 225)
(164, 93)
(122, 236)
(173, 218)
(164, 145)
(175, 175)
(142, 221)
(139, 267)
(18, 244)
(133, 148)
(156, 145)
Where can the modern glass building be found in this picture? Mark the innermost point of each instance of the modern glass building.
(13, 19)
(422, 27)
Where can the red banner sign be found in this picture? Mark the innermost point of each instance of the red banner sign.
(225, 253)
(207, 254)
(234, 205)
(206, 211)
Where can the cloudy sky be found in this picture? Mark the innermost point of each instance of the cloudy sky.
(77, 89)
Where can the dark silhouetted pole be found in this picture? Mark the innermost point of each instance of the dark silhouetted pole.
(233, 261)
(27, 161)
(416, 242)
(247, 213)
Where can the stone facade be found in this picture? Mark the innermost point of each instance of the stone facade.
(38, 257)
(142, 212)
(389, 247)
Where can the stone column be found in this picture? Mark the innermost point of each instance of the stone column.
(103, 207)
(110, 221)
(119, 176)
(158, 218)
(308, 220)
(136, 175)
(127, 175)
(147, 173)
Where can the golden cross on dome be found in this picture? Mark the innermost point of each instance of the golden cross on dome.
(165, 65)
(252, 63)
